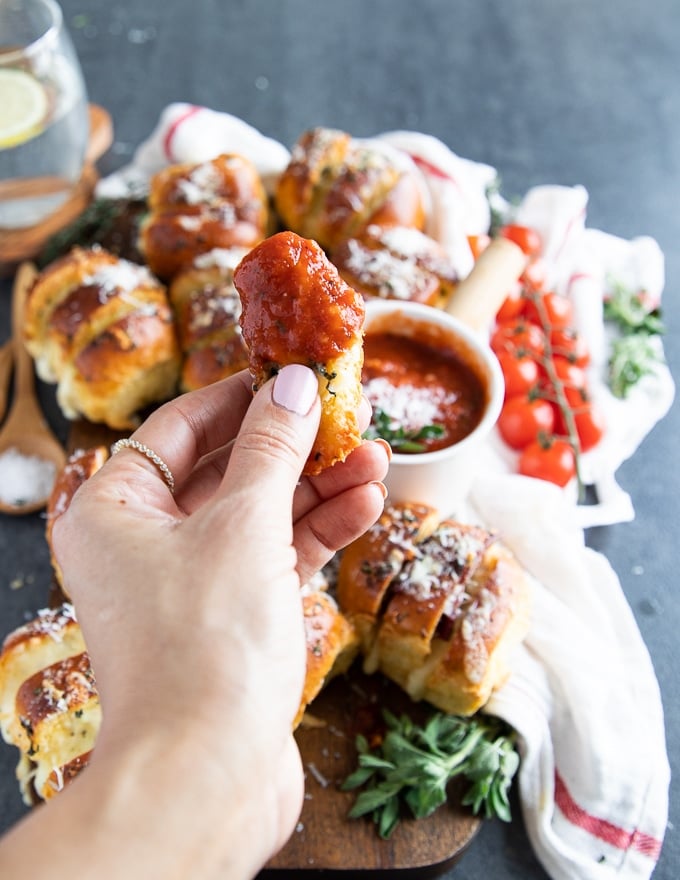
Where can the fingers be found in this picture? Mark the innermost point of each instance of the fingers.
(206, 478)
(184, 430)
(274, 442)
(334, 524)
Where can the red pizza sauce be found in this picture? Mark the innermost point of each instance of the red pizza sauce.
(413, 385)
(296, 308)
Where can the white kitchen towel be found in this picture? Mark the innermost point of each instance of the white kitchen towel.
(583, 695)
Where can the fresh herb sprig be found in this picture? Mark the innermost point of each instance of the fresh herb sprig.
(636, 352)
(401, 440)
(413, 765)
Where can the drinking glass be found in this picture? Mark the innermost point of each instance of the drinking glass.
(44, 122)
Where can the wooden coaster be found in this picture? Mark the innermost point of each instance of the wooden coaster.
(25, 244)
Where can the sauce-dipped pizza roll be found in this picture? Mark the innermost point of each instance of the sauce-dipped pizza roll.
(296, 309)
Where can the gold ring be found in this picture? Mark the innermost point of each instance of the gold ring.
(148, 453)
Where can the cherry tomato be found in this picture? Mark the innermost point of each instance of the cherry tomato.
(569, 343)
(521, 373)
(548, 459)
(533, 277)
(554, 308)
(573, 381)
(526, 238)
(590, 426)
(522, 419)
(478, 244)
(512, 306)
(519, 336)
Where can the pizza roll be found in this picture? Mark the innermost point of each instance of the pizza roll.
(397, 262)
(58, 716)
(332, 641)
(196, 207)
(336, 185)
(439, 606)
(80, 465)
(52, 636)
(207, 309)
(297, 310)
(102, 329)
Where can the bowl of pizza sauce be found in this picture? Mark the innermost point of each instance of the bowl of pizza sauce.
(436, 390)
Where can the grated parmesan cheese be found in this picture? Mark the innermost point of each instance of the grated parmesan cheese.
(408, 406)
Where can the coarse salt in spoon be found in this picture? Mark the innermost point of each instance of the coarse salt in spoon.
(30, 455)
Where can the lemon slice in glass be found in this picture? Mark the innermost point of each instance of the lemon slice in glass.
(23, 107)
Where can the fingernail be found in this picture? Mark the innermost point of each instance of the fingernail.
(386, 446)
(295, 389)
(381, 486)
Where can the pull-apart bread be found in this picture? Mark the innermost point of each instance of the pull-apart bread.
(336, 185)
(298, 310)
(332, 641)
(396, 262)
(49, 706)
(196, 207)
(438, 606)
(80, 466)
(103, 330)
(207, 309)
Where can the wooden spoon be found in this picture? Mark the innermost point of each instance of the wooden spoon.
(26, 432)
(5, 373)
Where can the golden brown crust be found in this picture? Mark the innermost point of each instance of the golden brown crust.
(297, 309)
(370, 564)
(102, 329)
(58, 717)
(80, 466)
(335, 186)
(446, 608)
(207, 308)
(196, 207)
(397, 262)
(52, 636)
(60, 777)
(332, 644)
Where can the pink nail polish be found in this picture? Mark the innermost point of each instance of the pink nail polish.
(295, 389)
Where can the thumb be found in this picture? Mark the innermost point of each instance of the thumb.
(276, 437)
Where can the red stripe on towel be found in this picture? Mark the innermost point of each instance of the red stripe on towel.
(607, 831)
(172, 131)
(429, 168)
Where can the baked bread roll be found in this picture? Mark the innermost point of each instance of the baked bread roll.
(80, 465)
(336, 185)
(396, 262)
(58, 717)
(49, 704)
(298, 310)
(332, 642)
(195, 208)
(52, 636)
(439, 606)
(207, 309)
(102, 329)
(49, 708)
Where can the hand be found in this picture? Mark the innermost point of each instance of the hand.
(190, 607)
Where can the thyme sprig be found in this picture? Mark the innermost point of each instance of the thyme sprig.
(400, 439)
(413, 765)
(636, 352)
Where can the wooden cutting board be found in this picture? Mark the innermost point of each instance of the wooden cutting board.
(326, 840)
